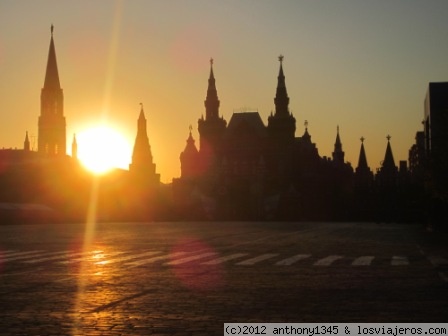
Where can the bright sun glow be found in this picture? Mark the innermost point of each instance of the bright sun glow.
(102, 148)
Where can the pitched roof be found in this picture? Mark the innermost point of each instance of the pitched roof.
(246, 121)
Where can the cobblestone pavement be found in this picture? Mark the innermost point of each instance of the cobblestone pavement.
(191, 278)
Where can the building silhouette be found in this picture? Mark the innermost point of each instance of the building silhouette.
(249, 170)
(244, 169)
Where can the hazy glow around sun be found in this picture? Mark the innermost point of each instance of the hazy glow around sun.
(102, 148)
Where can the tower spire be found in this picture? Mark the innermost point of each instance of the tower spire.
(142, 165)
(281, 99)
(338, 153)
(52, 74)
(74, 148)
(362, 161)
(52, 125)
(211, 101)
(389, 161)
(26, 143)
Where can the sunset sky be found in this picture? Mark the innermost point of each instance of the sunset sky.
(362, 65)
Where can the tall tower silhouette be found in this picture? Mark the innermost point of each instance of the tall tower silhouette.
(212, 128)
(52, 125)
(282, 125)
(142, 162)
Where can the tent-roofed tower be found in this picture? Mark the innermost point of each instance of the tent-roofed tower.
(26, 143)
(212, 128)
(338, 153)
(142, 161)
(52, 125)
(282, 125)
(74, 148)
(363, 174)
(387, 175)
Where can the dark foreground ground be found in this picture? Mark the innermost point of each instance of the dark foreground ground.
(190, 278)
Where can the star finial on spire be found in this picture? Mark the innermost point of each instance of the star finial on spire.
(211, 61)
(388, 137)
(362, 139)
(306, 124)
(52, 28)
(280, 58)
(141, 106)
(190, 128)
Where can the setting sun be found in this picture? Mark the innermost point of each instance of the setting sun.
(102, 148)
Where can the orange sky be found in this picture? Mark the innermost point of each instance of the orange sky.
(364, 66)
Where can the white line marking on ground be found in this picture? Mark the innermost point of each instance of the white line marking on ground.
(154, 259)
(224, 259)
(443, 276)
(191, 258)
(399, 261)
(328, 260)
(134, 256)
(438, 261)
(292, 260)
(62, 256)
(95, 257)
(262, 257)
(16, 254)
(363, 261)
(7, 251)
(33, 256)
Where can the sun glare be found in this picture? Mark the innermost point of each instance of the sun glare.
(102, 148)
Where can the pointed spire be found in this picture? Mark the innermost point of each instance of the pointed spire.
(389, 161)
(52, 74)
(142, 161)
(338, 153)
(281, 99)
(142, 114)
(74, 147)
(52, 126)
(211, 101)
(338, 144)
(26, 143)
(362, 161)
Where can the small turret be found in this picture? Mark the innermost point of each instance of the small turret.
(189, 159)
(26, 143)
(338, 153)
(74, 148)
